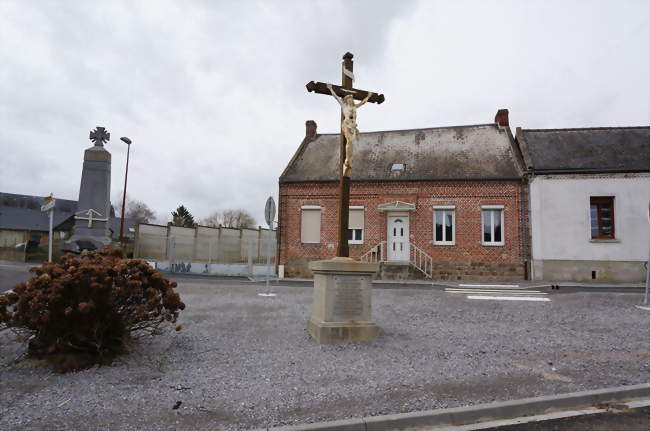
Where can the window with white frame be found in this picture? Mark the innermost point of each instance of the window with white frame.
(444, 225)
(355, 225)
(310, 224)
(492, 232)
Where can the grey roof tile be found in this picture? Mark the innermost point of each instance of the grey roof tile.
(23, 212)
(462, 152)
(591, 149)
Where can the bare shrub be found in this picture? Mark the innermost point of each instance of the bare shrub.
(86, 309)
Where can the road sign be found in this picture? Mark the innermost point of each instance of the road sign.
(269, 211)
(269, 215)
(48, 206)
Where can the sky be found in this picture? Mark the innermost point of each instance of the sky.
(212, 93)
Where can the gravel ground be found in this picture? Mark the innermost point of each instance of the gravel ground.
(244, 361)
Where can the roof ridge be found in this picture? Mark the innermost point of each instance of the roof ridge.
(33, 196)
(416, 129)
(571, 129)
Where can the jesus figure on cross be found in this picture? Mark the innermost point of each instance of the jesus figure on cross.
(349, 125)
(345, 95)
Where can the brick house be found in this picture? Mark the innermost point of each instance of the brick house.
(454, 195)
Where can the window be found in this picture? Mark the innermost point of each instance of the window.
(492, 232)
(398, 167)
(355, 236)
(602, 217)
(355, 225)
(310, 224)
(444, 220)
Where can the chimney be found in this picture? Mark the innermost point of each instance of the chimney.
(310, 128)
(502, 118)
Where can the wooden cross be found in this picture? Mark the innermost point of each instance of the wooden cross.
(344, 182)
(90, 217)
(99, 136)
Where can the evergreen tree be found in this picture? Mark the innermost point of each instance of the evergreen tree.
(182, 217)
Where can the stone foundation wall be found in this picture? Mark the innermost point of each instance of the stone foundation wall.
(590, 270)
(476, 271)
(12, 253)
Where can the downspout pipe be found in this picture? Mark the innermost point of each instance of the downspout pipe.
(524, 225)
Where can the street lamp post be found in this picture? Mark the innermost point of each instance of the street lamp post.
(646, 299)
(127, 141)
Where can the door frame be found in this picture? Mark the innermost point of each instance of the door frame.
(404, 215)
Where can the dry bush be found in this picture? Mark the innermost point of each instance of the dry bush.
(86, 309)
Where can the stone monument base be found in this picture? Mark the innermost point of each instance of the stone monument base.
(342, 310)
(341, 332)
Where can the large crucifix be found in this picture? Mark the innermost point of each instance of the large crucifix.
(345, 95)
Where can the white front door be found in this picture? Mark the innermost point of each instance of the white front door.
(398, 238)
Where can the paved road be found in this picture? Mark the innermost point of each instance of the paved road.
(632, 420)
(12, 273)
(438, 285)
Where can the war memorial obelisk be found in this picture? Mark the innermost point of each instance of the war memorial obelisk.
(91, 228)
(342, 305)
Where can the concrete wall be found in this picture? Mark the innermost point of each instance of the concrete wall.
(202, 268)
(204, 244)
(151, 242)
(10, 248)
(13, 245)
(561, 227)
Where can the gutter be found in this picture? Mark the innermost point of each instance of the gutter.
(589, 171)
(397, 180)
(524, 225)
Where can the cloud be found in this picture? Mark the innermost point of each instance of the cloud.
(212, 93)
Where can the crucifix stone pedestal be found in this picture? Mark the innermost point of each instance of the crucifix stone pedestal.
(342, 307)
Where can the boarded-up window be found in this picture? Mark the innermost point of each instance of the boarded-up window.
(355, 226)
(310, 225)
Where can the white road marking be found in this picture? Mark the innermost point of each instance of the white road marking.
(489, 285)
(508, 298)
(508, 292)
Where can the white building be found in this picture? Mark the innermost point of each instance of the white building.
(588, 206)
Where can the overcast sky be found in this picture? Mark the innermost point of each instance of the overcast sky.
(213, 93)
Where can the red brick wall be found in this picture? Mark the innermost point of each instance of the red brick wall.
(467, 196)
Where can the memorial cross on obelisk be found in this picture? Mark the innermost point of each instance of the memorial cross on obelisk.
(99, 136)
(345, 89)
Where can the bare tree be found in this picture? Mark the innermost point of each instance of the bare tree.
(238, 219)
(139, 212)
(213, 220)
(135, 209)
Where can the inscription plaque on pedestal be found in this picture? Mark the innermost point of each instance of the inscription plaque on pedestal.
(342, 309)
(349, 292)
